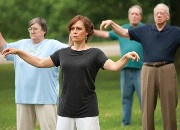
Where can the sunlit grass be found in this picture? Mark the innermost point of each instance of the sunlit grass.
(109, 99)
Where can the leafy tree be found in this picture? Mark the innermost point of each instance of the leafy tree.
(15, 14)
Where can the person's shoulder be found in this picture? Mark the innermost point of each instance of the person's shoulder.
(174, 27)
(24, 41)
(177, 27)
(141, 24)
(95, 50)
(147, 25)
(63, 50)
(66, 48)
(127, 25)
(54, 41)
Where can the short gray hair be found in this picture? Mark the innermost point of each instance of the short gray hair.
(164, 5)
(41, 22)
(136, 6)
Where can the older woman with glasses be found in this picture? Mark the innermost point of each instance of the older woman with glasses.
(36, 90)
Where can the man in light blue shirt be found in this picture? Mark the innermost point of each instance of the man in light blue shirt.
(36, 89)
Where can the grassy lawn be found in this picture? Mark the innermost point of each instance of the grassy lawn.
(109, 98)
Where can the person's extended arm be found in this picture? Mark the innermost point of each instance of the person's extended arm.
(117, 29)
(2, 42)
(101, 33)
(118, 65)
(35, 61)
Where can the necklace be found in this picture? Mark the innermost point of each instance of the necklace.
(33, 48)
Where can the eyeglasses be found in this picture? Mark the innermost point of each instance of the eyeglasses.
(33, 29)
(159, 13)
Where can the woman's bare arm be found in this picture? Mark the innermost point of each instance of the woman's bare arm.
(118, 65)
(35, 61)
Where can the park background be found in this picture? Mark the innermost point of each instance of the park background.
(14, 18)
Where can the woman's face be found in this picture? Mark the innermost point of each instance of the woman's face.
(36, 32)
(78, 32)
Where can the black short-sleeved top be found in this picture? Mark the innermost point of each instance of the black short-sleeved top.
(157, 45)
(79, 70)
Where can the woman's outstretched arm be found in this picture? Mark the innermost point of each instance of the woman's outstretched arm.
(118, 65)
(35, 61)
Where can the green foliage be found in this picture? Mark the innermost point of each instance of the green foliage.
(15, 14)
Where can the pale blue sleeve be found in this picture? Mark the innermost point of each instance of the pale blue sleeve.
(13, 45)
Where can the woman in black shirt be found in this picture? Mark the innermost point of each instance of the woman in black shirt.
(79, 63)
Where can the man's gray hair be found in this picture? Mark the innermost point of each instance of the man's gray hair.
(164, 5)
(136, 6)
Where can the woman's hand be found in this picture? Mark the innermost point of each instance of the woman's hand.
(132, 55)
(8, 51)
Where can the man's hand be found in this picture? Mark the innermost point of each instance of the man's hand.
(105, 24)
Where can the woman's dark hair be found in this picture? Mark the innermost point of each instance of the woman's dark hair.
(89, 26)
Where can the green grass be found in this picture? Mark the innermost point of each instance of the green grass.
(7, 107)
(109, 99)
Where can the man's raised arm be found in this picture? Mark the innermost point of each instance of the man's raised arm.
(117, 29)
